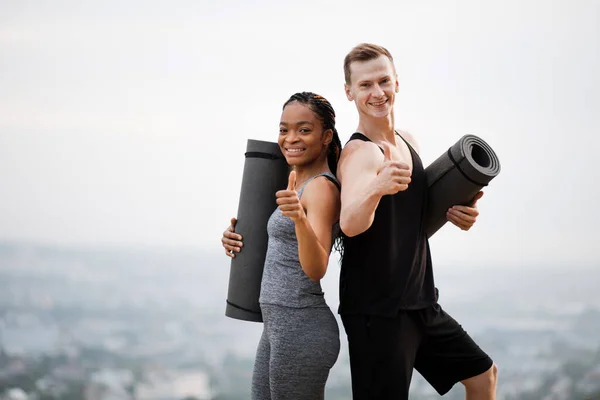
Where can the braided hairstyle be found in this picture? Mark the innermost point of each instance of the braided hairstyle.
(324, 111)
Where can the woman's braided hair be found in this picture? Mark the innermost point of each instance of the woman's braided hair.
(324, 111)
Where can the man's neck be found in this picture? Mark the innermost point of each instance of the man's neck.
(377, 129)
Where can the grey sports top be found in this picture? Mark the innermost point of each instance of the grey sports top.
(284, 282)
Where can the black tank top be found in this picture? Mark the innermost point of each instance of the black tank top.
(388, 267)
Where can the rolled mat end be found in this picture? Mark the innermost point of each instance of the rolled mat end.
(235, 312)
(456, 176)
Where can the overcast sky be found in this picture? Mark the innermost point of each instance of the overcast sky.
(125, 122)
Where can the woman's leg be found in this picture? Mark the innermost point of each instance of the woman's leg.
(260, 376)
(304, 346)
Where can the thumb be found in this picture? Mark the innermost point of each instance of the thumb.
(233, 222)
(292, 181)
(477, 197)
(387, 154)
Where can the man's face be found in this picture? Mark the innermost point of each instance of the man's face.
(373, 86)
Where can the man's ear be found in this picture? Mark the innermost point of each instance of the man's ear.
(348, 92)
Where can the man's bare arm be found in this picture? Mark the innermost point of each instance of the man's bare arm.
(357, 170)
(366, 176)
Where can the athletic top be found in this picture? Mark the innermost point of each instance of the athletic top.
(388, 267)
(284, 282)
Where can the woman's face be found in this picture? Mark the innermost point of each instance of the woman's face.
(301, 137)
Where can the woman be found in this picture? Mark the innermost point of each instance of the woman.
(300, 339)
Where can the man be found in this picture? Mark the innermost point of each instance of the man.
(388, 301)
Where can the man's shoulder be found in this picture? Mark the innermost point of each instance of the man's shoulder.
(357, 158)
(354, 144)
(361, 150)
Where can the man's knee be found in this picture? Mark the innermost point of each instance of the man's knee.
(485, 381)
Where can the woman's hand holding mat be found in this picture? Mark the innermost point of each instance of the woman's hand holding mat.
(232, 242)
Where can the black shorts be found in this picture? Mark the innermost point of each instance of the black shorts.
(384, 351)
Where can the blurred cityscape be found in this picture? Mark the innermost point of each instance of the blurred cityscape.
(145, 324)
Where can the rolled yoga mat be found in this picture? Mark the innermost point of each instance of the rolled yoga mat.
(265, 172)
(457, 176)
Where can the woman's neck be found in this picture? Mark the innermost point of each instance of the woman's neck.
(305, 172)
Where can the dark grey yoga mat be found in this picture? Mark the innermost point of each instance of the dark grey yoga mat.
(457, 176)
(265, 172)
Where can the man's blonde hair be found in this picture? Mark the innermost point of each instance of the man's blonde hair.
(364, 52)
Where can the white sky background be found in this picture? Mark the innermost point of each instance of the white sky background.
(125, 122)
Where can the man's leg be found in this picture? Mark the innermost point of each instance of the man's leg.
(448, 355)
(382, 353)
(482, 386)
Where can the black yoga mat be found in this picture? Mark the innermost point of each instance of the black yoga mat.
(457, 176)
(265, 172)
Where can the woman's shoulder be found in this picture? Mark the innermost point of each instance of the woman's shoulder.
(323, 180)
(321, 188)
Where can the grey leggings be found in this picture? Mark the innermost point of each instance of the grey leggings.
(297, 349)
